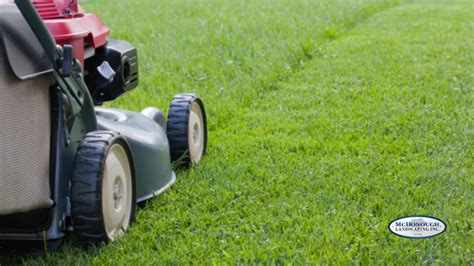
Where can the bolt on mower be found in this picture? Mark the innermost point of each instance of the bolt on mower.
(66, 164)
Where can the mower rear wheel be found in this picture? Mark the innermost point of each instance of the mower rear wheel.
(187, 129)
(103, 197)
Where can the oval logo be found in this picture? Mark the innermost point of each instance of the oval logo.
(417, 226)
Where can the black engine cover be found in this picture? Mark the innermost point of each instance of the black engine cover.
(122, 58)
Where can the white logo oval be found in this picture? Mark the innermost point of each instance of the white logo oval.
(417, 226)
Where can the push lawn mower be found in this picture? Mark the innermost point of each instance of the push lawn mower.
(66, 165)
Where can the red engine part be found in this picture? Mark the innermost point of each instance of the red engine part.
(71, 25)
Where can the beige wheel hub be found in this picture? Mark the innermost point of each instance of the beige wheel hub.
(196, 133)
(116, 192)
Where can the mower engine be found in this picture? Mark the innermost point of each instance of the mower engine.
(110, 66)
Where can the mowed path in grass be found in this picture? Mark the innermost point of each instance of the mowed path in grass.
(376, 126)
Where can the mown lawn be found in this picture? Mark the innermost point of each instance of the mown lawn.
(328, 119)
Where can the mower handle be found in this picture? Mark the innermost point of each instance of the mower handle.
(55, 55)
(42, 34)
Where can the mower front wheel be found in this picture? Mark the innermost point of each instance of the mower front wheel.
(187, 129)
(103, 197)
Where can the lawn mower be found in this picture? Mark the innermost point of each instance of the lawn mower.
(67, 165)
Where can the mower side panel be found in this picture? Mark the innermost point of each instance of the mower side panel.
(149, 146)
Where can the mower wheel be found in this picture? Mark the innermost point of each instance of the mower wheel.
(103, 199)
(187, 129)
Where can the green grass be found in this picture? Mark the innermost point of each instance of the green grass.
(328, 119)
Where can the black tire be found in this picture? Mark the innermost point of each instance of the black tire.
(178, 128)
(86, 186)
